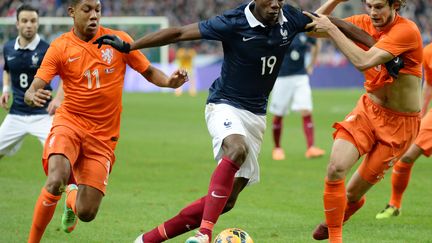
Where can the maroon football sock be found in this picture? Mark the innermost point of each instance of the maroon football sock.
(220, 188)
(277, 130)
(308, 129)
(188, 219)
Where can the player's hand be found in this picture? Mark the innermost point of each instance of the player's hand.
(393, 66)
(53, 105)
(178, 78)
(4, 100)
(113, 41)
(320, 23)
(38, 98)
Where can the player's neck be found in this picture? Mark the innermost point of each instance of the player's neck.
(82, 37)
(23, 42)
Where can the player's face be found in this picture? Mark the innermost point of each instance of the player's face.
(267, 11)
(380, 12)
(86, 15)
(27, 24)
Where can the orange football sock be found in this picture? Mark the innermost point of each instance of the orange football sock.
(353, 207)
(400, 178)
(334, 207)
(71, 200)
(43, 213)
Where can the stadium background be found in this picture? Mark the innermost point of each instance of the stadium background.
(332, 70)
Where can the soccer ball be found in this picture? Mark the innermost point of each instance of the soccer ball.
(233, 235)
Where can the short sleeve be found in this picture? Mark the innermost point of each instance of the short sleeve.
(6, 67)
(398, 40)
(215, 28)
(135, 59)
(295, 16)
(50, 64)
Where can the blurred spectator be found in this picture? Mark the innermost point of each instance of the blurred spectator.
(181, 12)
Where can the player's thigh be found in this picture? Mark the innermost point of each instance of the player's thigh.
(302, 98)
(282, 95)
(94, 164)
(12, 132)
(40, 126)
(222, 121)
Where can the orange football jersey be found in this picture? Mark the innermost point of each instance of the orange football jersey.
(92, 80)
(402, 38)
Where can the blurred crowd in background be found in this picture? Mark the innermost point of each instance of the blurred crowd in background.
(181, 12)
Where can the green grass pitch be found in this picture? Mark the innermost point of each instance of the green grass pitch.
(164, 161)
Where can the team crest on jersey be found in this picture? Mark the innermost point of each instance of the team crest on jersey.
(107, 55)
(284, 33)
(35, 59)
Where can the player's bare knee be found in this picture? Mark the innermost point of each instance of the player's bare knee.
(56, 184)
(86, 214)
(335, 171)
(237, 152)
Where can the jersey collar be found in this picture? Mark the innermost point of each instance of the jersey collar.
(31, 46)
(254, 22)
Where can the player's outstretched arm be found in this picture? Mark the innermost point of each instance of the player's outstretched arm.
(36, 95)
(58, 99)
(361, 59)
(157, 77)
(158, 38)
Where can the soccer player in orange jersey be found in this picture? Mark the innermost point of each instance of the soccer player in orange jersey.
(386, 119)
(422, 145)
(85, 130)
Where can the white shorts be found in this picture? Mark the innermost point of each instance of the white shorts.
(291, 93)
(15, 127)
(224, 120)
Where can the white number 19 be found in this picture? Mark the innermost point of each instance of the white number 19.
(268, 63)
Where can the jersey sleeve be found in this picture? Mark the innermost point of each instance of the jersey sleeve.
(296, 16)
(50, 64)
(6, 67)
(135, 59)
(427, 64)
(398, 40)
(215, 28)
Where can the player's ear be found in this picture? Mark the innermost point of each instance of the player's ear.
(71, 11)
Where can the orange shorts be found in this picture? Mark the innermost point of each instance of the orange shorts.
(91, 159)
(382, 135)
(424, 138)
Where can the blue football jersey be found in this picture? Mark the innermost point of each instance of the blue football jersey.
(294, 61)
(22, 65)
(253, 54)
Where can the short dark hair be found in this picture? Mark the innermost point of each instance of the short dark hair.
(391, 2)
(26, 7)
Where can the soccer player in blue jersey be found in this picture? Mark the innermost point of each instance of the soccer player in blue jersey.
(23, 57)
(255, 37)
(292, 91)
